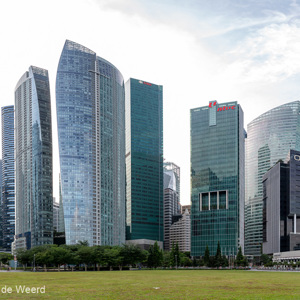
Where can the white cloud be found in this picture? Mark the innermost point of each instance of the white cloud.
(270, 55)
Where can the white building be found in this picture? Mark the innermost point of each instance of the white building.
(180, 232)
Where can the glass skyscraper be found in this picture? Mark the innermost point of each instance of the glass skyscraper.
(90, 106)
(8, 176)
(269, 139)
(217, 178)
(172, 205)
(144, 161)
(33, 159)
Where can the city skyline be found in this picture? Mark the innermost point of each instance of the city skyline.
(245, 51)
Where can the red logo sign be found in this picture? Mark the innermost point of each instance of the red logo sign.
(211, 104)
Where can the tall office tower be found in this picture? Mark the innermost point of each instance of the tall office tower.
(217, 178)
(33, 160)
(171, 199)
(269, 138)
(281, 206)
(55, 215)
(61, 219)
(144, 162)
(90, 106)
(8, 176)
(180, 232)
(1, 209)
(171, 168)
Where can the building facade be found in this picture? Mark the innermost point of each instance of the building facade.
(269, 138)
(180, 232)
(55, 215)
(1, 208)
(281, 206)
(144, 161)
(171, 199)
(8, 176)
(217, 178)
(33, 159)
(91, 134)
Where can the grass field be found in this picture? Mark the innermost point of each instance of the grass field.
(161, 284)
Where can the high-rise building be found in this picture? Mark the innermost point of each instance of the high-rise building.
(281, 206)
(144, 162)
(180, 232)
(91, 134)
(217, 178)
(8, 176)
(1, 208)
(171, 199)
(33, 159)
(184, 207)
(269, 138)
(55, 215)
(61, 219)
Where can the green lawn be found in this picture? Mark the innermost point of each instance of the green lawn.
(161, 284)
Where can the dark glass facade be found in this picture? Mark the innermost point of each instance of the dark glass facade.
(91, 134)
(8, 176)
(144, 160)
(281, 206)
(33, 158)
(217, 178)
(269, 138)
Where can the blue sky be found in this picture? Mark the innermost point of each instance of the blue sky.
(245, 51)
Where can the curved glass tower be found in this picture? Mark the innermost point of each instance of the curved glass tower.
(269, 139)
(90, 104)
(33, 159)
(8, 176)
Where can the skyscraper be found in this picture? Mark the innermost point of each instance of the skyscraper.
(171, 199)
(33, 159)
(91, 134)
(8, 176)
(269, 138)
(1, 209)
(281, 205)
(144, 162)
(217, 178)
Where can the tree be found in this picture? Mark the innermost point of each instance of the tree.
(61, 256)
(166, 259)
(5, 258)
(85, 256)
(218, 257)
(132, 254)
(45, 258)
(266, 259)
(172, 261)
(240, 260)
(112, 257)
(225, 262)
(24, 257)
(155, 256)
(206, 256)
(98, 254)
(186, 261)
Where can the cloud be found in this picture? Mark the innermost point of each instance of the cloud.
(271, 54)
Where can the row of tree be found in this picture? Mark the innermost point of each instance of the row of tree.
(219, 260)
(97, 257)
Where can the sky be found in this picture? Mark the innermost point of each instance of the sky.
(225, 50)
